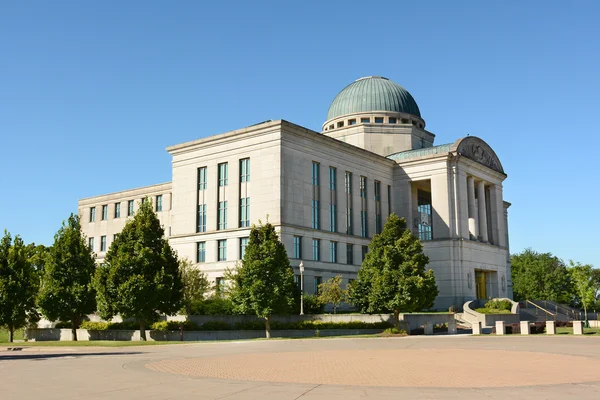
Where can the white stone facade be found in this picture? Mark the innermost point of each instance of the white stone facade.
(270, 171)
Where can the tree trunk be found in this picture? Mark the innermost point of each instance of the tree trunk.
(142, 330)
(334, 307)
(268, 327)
(11, 332)
(397, 319)
(74, 332)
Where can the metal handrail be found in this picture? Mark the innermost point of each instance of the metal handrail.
(541, 308)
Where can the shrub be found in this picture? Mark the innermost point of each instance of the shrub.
(499, 305)
(212, 306)
(393, 332)
(486, 310)
(312, 305)
(216, 326)
(125, 325)
(63, 325)
(94, 326)
(174, 326)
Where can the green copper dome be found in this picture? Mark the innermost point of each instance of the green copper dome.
(372, 93)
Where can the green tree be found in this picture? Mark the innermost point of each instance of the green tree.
(596, 284)
(67, 292)
(195, 285)
(331, 291)
(392, 277)
(582, 277)
(263, 284)
(140, 276)
(18, 284)
(540, 276)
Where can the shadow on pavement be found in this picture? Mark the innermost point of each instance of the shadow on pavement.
(44, 356)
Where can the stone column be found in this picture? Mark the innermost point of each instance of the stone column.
(525, 328)
(577, 327)
(500, 328)
(482, 211)
(550, 328)
(473, 221)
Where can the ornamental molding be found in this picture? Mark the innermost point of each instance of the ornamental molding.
(479, 151)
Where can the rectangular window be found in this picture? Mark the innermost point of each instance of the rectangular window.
(333, 199)
(243, 244)
(389, 199)
(222, 253)
(91, 243)
(377, 207)
(352, 122)
(201, 219)
(129, 208)
(105, 212)
(297, 281)
(316, 244)
(223, 174)
(349, 253)
(340, 124)
(393, 120)
(363, 207)
(379, 120)
(159, 202)
(102, 243)
(315, 210)
(245, 170)
(222, 216)
(318, 281)
(117, 210)
(364, 251)
(93, 214)
(348, 192)
(245, 212)
(424, 210)
(201, 252)
(219, 285)
(333, 252)
(202, 178)
(365, 120)
(115, 236)
(298, 247)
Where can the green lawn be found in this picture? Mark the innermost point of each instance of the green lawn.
(4, 335)
(563, 330)
(87, 343)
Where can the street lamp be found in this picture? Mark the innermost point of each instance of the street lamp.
(301, 288)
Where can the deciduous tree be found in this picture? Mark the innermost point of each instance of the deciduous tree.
(67, 292)
(263, 284)
(18, 284)
(140, 276)
(540, 276)
(195, 284)
(393, 277)
(583, 285)
(331, 291)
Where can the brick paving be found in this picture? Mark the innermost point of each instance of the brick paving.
(441, 367)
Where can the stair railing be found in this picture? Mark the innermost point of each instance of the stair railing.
(546, 312)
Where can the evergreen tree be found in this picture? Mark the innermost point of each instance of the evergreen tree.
(140, 276)
(393, 277)
(264, 282)
(18, 284)
(67, 293)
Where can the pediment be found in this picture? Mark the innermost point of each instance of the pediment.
(479, 151)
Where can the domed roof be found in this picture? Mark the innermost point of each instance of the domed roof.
(372, 93)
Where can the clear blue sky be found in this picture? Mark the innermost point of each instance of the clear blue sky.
(91, 93)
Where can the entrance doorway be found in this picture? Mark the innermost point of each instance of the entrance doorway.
(480, 285)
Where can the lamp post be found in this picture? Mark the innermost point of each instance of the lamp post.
(301, 288)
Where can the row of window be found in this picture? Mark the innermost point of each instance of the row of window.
(223, 174)
(333, 225)
(333, 251)
(223, 180)
(378, 120)
(221, 250)
(317, 280)
(103, 244)
(158, 203)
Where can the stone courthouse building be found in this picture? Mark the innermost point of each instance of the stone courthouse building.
(329, 192)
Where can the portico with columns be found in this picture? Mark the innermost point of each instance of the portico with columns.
(468, 244)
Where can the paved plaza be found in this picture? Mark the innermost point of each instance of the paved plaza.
(449, 367)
